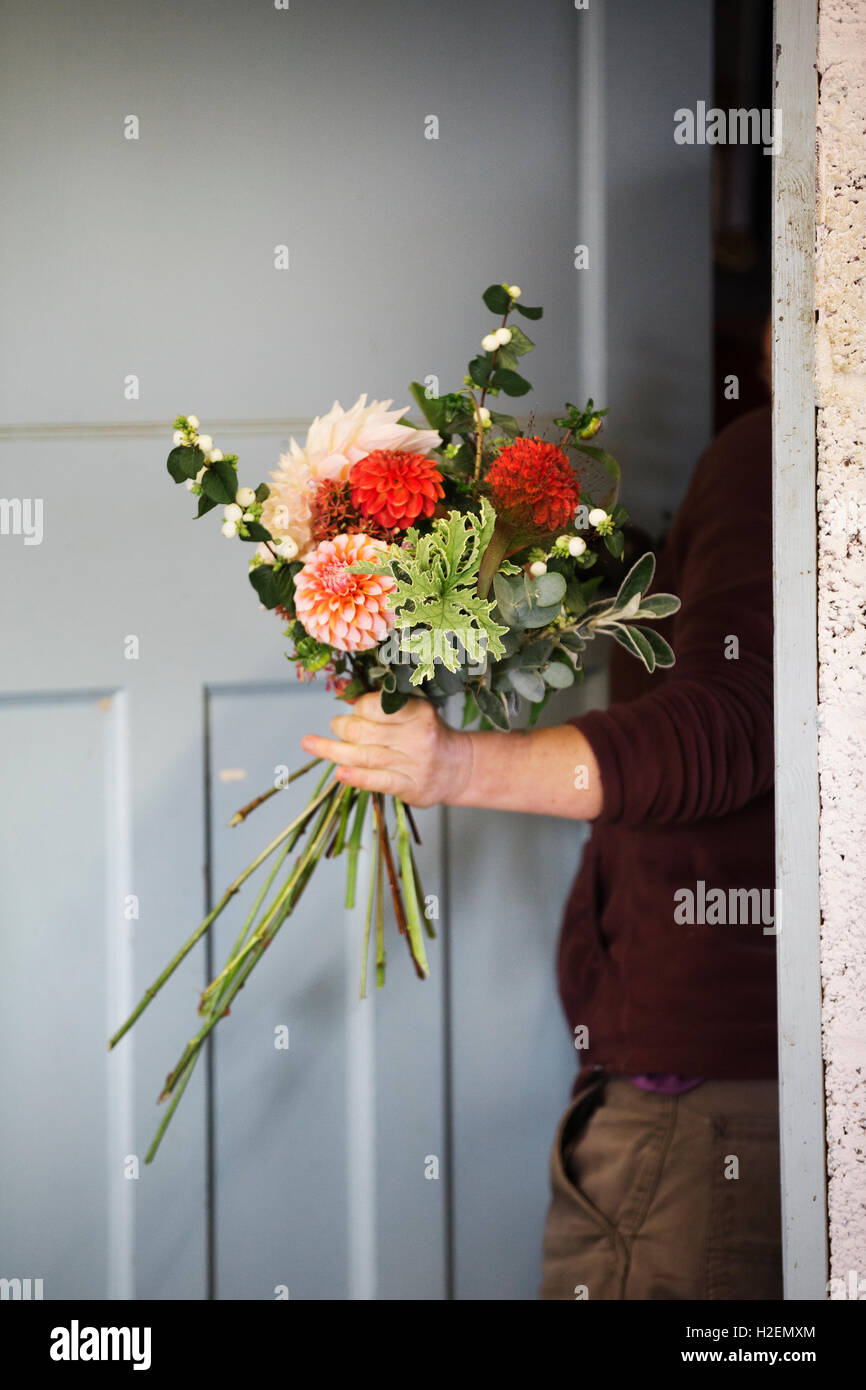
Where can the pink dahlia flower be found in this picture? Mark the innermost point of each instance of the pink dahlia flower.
(334, 443)
(346, 611)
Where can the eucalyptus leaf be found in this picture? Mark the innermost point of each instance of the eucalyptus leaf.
(558, 675)
(546, 589)
(527, 683)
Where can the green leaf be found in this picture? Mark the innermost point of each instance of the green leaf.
(559, 675)
(506, 357)
(634, 642)
(572, 642)
(505, 422)
(511, 382)
(470, 710)
(615, 543)
(228, 476)
(547, 589)
(537, 652)
(431, 407)
(184, 462)
(479, 370)
(493, 707)
(608, 463)
(540, 617)
(527, 683)
(527, 312)
(658, 606)
(205, 505)
(284, 584)
(214, 487)
(497, 299)
(437, 587)
(539, 706)
(662, 650)
(263, 492)
(637, 581)
(393, 700)
(262, 580)
(256, 532)
(520, 343)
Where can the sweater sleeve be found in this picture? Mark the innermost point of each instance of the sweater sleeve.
(701, 744)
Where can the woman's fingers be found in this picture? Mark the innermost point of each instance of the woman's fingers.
(369, 755)
(389, 782)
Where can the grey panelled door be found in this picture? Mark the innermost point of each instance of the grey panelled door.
(395, 1149)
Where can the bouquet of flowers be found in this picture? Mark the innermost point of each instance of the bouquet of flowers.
(453, 560)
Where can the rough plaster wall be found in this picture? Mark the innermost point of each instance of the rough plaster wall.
(841, 386)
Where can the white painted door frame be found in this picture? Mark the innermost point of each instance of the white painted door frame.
(804, 1201)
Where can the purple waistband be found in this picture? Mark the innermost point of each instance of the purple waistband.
(664, 1084)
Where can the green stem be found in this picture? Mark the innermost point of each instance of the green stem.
(251, 806)
(380, 915)
(199, 932)
(259, 942)
(365, 950)
(497, 548)
(410, 892)
(355, 847)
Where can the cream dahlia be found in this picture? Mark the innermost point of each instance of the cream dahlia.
(334, 443)
(347, 611)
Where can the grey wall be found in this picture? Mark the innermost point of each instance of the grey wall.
(155, 257)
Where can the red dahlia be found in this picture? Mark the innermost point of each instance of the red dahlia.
(394, 489)
(534, 487)
(333, 513)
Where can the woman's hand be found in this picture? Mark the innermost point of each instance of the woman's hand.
(412, 754)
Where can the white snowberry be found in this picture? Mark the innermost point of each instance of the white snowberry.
(576, 546)
(192, 421)
(537, 569)
(230, 528)
(490, 342)
(205, 443)
(233, 512)
(246, 496)
(286, 548)
(597, 516)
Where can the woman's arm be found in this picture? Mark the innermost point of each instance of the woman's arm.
(414, 755)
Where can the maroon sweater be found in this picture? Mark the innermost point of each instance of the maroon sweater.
(686, 759)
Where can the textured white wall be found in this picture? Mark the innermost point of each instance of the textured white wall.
(841, 396)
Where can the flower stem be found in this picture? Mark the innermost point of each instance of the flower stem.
(200, 930)
(251, 806)
(365, 950)
(261, 938)
(410, 891)
(355, 847)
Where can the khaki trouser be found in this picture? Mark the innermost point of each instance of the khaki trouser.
(666, 1197)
